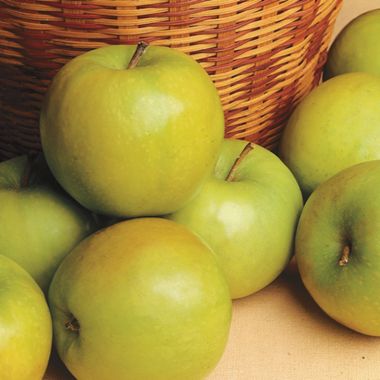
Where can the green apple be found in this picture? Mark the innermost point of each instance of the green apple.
(336, 126)
(25, 325)
(142, 299)
(39, 223)
(132, 136)
(338, 247)
(248, 219)
(356, 47)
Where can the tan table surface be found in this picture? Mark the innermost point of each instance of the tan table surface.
(280, 333)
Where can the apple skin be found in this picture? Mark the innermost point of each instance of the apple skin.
(249, 222)
(150, 300)
(356, 47)
(132, 142)
(336, 126)
(39, 223)
(25, 325)
(344, 211)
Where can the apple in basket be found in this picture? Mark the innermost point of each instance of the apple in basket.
(40, 224)
(338, 247)
(25, 325)
(247, 213)
(336, 126)
(142, 299)
(357, 47)
(132, 131)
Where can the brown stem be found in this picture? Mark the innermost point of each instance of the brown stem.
(25, 178)
(345, 255)
(243, 154)
(73, 325)
(140, 49)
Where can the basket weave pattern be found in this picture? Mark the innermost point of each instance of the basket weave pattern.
(263, 55)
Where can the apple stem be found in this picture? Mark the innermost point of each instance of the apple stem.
(140, 50)
(73, 325)
(243, 154)
(345, 255)
(25, 178)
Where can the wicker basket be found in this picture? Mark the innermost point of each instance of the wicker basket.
(263, 55)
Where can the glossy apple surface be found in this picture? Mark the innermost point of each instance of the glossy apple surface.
(142, 299)
(39, 223)
(25, 325)
(357, 47)
(248, 221)
(132, 141)
(336, 126)
(338, 247)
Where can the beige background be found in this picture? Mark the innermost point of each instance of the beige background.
(280, 333)
(352, 8)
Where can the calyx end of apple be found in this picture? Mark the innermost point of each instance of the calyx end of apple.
(344, 258)
(73, 325)
(242, 156)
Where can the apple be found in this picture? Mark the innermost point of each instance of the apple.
(132, 133)
(338, 247)
(39, 223)
(247, 213)
(356, 47)
(336, 126)
(25, 325)
(142, 299)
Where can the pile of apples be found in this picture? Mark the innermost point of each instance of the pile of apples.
(137, 227)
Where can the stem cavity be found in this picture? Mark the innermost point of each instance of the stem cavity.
(243, 154)
(140, 50)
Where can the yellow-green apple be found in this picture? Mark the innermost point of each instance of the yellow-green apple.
(142, 299)
(247, 213)
(25, 325)
(338, 247)
(356, 47)
(40, 224)
(336, 126)
(132, 134)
